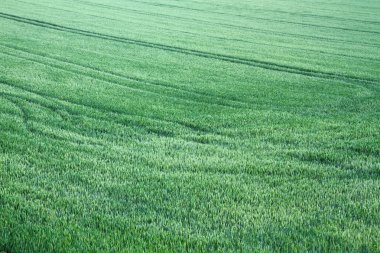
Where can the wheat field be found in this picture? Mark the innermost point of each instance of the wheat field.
(189, 126)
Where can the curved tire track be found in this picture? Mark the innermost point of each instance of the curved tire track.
(107, 110)
(200, 97)
(193, 34)
(264, 31)
(193, 52)
(254, 18)
(122, 84)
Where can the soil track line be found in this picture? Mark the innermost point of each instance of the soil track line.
(193, 52)
(254, 18)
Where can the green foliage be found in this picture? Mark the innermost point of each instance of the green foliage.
(200, 126)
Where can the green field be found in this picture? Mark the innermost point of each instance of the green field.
(189, 126)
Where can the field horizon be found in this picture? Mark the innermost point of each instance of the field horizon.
(189, 126)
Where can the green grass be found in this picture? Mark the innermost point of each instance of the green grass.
(199, 126)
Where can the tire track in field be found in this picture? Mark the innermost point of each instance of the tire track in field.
(232, 105)
(264, 31)
(134, 121)
(99, 78)
(36, 102)
(220, 38)
(347, 4)
(258, 9)
(12, 98)
(108, 110)
(372, 22)
(193, 34)
(55, 110)
(321, 160)
(24, 116)
(299, 13)
(193, 52)
(33, 131)
(47, 103)
(221, 100)
(212, 36)
(253, 18)
(65, 10)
